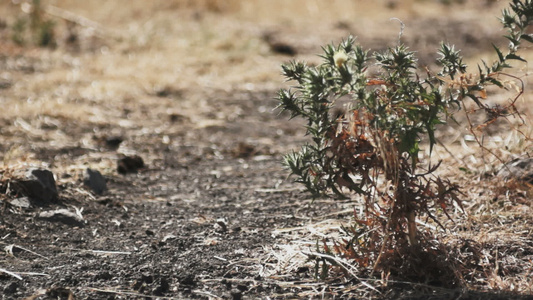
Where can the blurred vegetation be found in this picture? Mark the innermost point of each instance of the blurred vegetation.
(32, 27)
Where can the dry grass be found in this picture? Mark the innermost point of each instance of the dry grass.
(196, 49)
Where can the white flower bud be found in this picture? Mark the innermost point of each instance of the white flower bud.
(340, 57)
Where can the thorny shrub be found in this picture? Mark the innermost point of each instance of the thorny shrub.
(371, 148)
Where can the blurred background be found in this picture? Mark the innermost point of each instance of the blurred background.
(93, 68)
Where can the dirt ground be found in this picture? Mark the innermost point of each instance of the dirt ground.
(190, 87)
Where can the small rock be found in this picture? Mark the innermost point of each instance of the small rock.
(5, 84)
(187, 280)
(37, 184)
(162, 287)
(278, 46)
(283, 48)
(168, 91)
(11, 288)
(22, 202)
(105, 275)
(175, 117)
(519, 169)
(94, 180)
(241, 287)
(236, 294)
(62, 215)
(244, 150)
(113, 142)
(130, 164)
(220, 226)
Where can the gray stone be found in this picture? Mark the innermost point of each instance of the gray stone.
(37, 184)
(22, 202)
(11, 288)
(94, 180)
(130, 164)
(63, 216)
(518, 169)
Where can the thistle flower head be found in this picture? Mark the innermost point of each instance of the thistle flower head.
(340, 57)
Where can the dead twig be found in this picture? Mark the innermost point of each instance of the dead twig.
(69, 16)
(9, 250)
(10, 273)
(336, 261)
